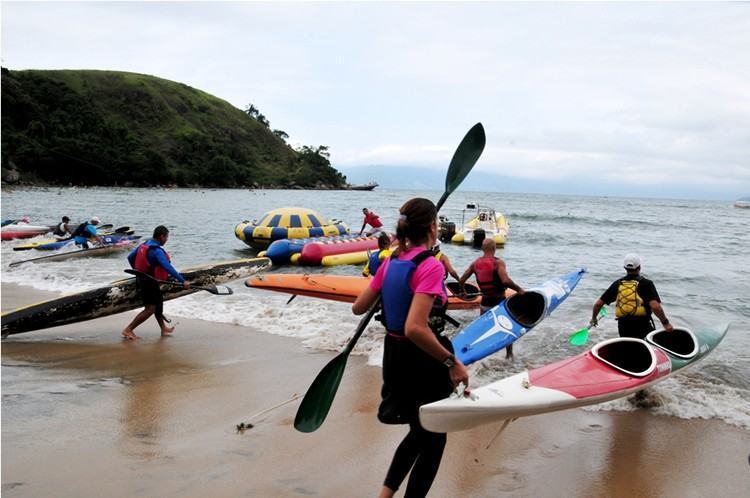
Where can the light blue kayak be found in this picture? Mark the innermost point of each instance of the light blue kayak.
(508, 321)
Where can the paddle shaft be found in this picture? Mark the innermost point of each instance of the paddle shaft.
(212, 290)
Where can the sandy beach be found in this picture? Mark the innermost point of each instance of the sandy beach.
(85, 413)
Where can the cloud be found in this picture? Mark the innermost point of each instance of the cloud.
(641, 93)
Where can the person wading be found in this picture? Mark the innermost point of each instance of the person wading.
(636, 300)
(492, 279)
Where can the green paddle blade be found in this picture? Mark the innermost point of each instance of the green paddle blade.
(580, 338)
(317, 402)
(466, 156)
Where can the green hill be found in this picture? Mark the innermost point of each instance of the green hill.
(115, 128)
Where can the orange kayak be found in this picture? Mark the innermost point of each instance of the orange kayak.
(345, 288)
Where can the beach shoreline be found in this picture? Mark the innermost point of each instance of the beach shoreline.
(85, 413)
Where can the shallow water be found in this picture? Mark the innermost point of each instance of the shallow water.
(695, 251)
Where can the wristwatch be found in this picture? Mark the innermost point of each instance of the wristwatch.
(450, 360)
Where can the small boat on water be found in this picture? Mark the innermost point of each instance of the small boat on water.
(484, 223)
(367, 186)
(742, 202)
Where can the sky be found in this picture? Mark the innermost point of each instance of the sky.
(630, 99)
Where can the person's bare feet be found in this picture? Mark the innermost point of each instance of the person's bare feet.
(167, 331)
(129, 335)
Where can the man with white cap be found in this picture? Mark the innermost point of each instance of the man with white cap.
(86, 232)
(636, 299)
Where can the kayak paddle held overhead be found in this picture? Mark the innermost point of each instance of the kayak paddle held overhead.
(319, 397)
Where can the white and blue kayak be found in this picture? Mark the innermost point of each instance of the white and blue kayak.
(515, 316)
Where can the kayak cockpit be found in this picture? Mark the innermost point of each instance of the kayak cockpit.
(630, 356)
(527, 308)
(680, 342)
(471, 291)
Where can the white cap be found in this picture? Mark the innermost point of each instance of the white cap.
(95, 220)
(632, 261)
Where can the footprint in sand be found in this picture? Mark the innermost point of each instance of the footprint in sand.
(591, 428)
(506, 479)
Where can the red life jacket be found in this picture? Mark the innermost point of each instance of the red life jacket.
(487, 277)
(142, 263)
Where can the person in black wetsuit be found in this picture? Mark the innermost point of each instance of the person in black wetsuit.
(418, 363)
(636, 300)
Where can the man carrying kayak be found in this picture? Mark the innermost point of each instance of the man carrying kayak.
(373, 220)
(86, 232)
(492, 278)
(151, 259)
(636, 300)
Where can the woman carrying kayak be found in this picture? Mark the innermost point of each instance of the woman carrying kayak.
(418, 363)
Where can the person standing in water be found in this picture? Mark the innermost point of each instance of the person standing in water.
(373, 220)
(493, 279)
(151, 259)
(636, 300)
(445, 260)
(419, 366)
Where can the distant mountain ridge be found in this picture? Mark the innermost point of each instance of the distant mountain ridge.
(420, 178)
(88, 127)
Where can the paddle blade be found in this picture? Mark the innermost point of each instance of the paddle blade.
(580, 338)
(222, 290)
(317, 402)
(464, 159)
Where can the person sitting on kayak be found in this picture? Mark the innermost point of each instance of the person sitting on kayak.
(63, 229)
(418, 363)
(376, 257)
(373, 220)
(86, 232)
(636, 300)
(492, 278)
(151, 259)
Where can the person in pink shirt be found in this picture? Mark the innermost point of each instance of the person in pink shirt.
(418, 363)
(373, 220)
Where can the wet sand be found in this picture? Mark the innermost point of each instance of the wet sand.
(87, 414)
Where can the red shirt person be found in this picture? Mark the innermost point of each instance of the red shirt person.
(373, 220)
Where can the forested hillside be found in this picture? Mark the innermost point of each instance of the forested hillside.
(86, 127)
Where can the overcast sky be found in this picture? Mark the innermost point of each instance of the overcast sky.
(618, 97)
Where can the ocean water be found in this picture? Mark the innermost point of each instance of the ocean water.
(695, 251)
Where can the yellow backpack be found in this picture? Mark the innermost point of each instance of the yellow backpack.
(629, 303)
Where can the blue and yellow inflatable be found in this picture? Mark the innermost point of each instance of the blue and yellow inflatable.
(287, 223)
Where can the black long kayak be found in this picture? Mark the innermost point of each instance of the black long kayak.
(119, 296)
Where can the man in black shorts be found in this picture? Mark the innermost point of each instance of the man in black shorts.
(151, 259)
(636, 299)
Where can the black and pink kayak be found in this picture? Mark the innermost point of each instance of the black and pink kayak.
(611, 369)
